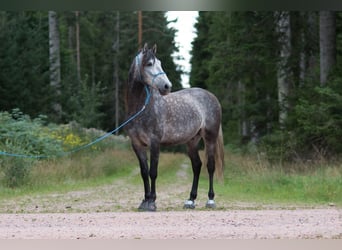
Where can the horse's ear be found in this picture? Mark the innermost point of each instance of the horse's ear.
(154, 49)
(145, 47)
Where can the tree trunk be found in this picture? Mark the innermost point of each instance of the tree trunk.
(71, 42)
(78, 56)
(284, 30)
(116, 69)
(140, 29)
(55, 63)
(302, 56)
(244, 125)
(311, 50)
(327, 43)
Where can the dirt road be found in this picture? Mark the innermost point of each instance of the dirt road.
(234, 224)
(109, 212)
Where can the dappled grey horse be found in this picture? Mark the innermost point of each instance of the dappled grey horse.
(181, 117)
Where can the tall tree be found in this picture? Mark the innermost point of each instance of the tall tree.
(327, 35)
(284, 78)
(140, 28)
(200, 51)
(55, 63)
(116, 48)
(24, 62)
(78, 52)
(309, 46)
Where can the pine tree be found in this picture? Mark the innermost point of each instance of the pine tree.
(24, 62)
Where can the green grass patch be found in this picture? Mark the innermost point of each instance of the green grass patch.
(247, 178)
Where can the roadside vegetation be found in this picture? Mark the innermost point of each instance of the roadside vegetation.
(249, 174)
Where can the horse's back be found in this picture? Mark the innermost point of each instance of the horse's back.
(199, 98)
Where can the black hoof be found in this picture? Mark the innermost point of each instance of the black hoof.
(146, 205)
(189, 204)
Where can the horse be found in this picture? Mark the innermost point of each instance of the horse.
(171, 118)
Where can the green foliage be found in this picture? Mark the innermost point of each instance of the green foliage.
(232, 59)
(236, 56)
(24, 62)
(28, 135)
(31, 138)
(318, 119)
(200, 51)
(19, 134)
(84, 104)
(278, 147)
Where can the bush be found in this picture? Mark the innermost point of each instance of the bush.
(279, 147)
(19, 134)
(22, 135)
(318, 120)
(34, 138)
(15, 171)
(313, 130)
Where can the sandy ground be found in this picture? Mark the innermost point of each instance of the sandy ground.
(235, 224)
(108, 212)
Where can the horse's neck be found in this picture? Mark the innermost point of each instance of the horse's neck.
(135, 97)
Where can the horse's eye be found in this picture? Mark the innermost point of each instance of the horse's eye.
(149, 64)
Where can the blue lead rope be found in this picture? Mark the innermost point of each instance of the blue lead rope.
(147, 100)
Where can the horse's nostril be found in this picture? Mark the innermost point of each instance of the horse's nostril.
(166, 86)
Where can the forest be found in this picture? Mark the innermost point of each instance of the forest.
(276, 74)
(73, 65)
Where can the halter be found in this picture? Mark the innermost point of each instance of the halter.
(154, 76)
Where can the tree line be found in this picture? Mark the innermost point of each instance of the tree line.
(275, 73)
(277, 77)
(72, 65)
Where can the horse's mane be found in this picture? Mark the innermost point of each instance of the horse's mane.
(147, 55)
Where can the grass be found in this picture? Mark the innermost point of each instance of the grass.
(248, 179)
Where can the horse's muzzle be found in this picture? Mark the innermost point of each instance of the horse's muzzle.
(166, 89)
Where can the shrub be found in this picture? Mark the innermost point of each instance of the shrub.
(318, 120)
(19, 134)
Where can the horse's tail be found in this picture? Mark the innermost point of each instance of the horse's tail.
(219, 156)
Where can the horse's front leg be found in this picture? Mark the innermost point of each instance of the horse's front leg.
(140, 152)
(155, 149)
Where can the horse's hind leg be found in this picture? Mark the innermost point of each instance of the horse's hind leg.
(196, 168)
(210, 154)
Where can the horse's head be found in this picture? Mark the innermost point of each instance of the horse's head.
(151, 71)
